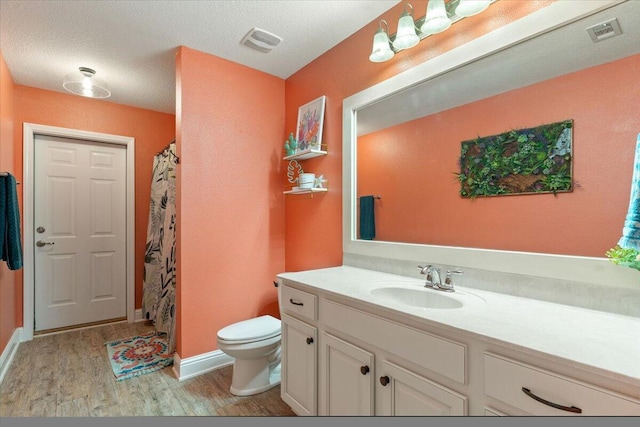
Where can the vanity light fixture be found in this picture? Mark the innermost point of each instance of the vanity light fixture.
(381, 47)
(440, 15)
(84, 83)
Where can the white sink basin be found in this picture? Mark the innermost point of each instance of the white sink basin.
(417, 297)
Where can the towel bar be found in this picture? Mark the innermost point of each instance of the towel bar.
(7, 174)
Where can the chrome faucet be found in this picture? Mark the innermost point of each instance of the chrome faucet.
(434, 278)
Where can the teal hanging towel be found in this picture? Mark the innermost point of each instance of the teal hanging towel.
(631, 229)
(367, 218)
(11, 249)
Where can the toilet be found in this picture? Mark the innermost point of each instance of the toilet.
(255, 345)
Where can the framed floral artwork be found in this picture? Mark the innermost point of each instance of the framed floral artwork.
(309, 127)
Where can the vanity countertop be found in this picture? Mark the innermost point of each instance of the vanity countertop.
(601, 342)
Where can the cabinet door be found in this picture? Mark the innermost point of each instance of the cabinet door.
(347, 377)
(298, 387)
(406, 393)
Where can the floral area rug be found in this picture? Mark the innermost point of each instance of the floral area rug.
(131, 357)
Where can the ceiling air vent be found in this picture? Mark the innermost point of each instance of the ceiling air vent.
(604, 30)
(261, 40)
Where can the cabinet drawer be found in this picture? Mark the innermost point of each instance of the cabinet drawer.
(505, 379)
(429, 351)
(299, 303)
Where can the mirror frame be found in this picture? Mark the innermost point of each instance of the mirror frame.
(592, 270)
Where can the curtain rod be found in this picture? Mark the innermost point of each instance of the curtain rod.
(170, 152)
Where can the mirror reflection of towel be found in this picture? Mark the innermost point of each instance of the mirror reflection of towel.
(367, 218)
(631, 229)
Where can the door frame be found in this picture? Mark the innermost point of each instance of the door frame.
(30, 130)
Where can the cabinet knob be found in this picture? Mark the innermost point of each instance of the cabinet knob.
(364, 370)
(275, 283)
(384, 380)
(310, 340)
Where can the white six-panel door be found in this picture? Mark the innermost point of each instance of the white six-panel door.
(80, 232)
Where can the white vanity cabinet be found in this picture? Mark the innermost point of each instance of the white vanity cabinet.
(496, 355)
(392, 388)
(360, 369)
(298, 387)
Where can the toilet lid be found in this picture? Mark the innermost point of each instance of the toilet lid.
(259, 328)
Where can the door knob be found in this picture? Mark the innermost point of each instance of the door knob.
(40, 243)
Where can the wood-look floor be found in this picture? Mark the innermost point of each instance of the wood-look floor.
(68, 374)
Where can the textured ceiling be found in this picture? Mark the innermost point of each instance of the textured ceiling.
(132, 44)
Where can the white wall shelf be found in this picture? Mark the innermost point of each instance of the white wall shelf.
(309, 153)
(307, 191)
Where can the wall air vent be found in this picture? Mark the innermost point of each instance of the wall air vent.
(261, 40)
(604, 30)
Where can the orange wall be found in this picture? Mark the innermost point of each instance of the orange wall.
(10, 289)
(314, 226)
(412, 165)
(230, 135)
(152, 131)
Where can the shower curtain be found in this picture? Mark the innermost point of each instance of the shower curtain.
(159, 282)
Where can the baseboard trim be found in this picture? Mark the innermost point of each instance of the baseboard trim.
(137, 316)
(9, 352)
(200, 364)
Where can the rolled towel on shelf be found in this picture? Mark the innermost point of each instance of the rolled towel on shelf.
(367, 218)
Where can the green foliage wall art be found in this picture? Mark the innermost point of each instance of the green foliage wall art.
(523, 161)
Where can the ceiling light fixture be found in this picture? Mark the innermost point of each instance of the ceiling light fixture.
(440, 15)
(84, 83)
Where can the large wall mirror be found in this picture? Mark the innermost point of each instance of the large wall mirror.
(402, 142)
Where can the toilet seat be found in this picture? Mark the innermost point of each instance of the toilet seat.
(251, 330)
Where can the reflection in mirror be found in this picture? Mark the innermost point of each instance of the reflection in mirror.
(408, 144)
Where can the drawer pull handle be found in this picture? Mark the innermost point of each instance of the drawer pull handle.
(553, 405)
(294, 302)
(384, 380)
(364, 370)
(275, 283)
(309, 341)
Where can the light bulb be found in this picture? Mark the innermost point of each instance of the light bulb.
(406, 36)
(468, 8)
(381, 49)
(436, 19)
